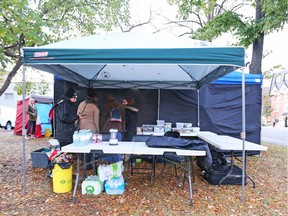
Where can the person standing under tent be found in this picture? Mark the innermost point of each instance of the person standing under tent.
(65, 117)
(114, 122)
(131, 118)
(31, 110)
(89, 115)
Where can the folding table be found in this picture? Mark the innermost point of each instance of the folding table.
(223, 142)
(129, 148)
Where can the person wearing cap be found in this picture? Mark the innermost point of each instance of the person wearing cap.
(32, 117)
(65, 116)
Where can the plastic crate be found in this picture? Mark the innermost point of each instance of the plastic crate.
(40, 158)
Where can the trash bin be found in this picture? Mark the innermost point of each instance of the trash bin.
(62, 177)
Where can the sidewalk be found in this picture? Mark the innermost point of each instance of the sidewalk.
(275, 135)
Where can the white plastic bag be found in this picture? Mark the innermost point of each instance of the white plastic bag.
(107, 172)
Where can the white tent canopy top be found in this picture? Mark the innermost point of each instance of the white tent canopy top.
(133, 60)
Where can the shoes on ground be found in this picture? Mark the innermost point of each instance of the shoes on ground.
(33, 137)
(26, 137)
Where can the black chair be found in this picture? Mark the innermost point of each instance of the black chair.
(134, 168)
(174, 160)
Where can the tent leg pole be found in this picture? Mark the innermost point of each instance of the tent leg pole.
(198, 108)
(23, 130)
(243, 135)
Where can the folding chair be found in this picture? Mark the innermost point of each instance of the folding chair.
(174, 160)
(136, 168)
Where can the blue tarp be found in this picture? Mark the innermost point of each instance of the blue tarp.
(235, 78)
(43, 111)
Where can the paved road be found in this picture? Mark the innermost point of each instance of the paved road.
(275, 135)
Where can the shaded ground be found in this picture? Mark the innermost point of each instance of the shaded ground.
(268, 198)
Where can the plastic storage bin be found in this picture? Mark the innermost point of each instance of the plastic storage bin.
(40, 158)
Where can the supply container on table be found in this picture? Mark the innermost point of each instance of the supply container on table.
(160, 122)
(147, 128)
(159, 128)
(62, 177)
(187, 125)
(195, 129)
(179, 124)
(167, 126)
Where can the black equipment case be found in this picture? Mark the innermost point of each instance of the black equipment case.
(216, 173)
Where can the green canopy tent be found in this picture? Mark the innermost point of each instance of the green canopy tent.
(133, 60)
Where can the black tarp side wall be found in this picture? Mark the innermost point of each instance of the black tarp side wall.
(220, 106)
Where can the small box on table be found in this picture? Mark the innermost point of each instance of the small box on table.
(40, 158)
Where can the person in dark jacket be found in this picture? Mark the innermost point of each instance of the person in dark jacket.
(65, 117)
(32, 115)
(131, 118)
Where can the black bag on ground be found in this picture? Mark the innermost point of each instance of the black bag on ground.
(218, 159)
(216, 173)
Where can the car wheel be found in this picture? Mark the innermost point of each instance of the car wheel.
(8, 126)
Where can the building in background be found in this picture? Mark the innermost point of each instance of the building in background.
(8, 105)
(279, 97)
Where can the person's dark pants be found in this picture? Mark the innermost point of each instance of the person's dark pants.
(64, 143)
(31, 128)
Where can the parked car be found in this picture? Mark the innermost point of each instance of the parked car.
(7, 117)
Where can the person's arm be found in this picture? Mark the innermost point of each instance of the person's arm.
(64, 112)
(123, 113)
(96, 119)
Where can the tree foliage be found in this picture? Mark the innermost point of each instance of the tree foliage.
(217, 17)
(37, 22)
(40, 88)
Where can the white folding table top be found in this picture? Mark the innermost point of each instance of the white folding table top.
(143, 149)
(121, 148)
(224, 142)
(129, 148)
(192, 134)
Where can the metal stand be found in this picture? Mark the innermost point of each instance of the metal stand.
(231, 170)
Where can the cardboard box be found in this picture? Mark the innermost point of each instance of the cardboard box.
(40, 158)
(92, 185)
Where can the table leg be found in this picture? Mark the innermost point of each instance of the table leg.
(190, 181)
(231, 170)
(77, 179)
(245, 171)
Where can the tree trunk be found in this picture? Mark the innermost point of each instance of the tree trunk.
(11, 75)
(256, 62)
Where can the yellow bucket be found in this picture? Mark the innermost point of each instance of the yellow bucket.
(47, 133)
(62, 178)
